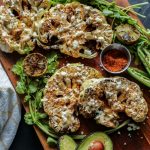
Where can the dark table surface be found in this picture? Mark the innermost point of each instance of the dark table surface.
(26, 138)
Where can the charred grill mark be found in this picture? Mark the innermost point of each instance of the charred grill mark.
(53, 40)
(91, 44)
(90, 27)
(55, 22)
(15, 12)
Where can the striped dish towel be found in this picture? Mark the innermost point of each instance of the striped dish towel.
(10, 113)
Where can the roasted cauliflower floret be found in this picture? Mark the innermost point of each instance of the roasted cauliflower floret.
(17, 30)
(75, 29)
(19, 6)
(61, 96)
(14, 34)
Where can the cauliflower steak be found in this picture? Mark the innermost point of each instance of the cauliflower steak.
(61, 96)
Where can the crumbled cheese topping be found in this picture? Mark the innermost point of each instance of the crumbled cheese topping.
(75, 44)
(132, 127)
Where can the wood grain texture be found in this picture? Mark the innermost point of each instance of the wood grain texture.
(139, 140)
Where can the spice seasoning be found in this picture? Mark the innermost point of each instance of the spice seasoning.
(115, 60)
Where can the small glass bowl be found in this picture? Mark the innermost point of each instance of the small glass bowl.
(117, 47)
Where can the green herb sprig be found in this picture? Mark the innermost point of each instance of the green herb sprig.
(32, 88)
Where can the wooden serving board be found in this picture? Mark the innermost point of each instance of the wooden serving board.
(139, 140)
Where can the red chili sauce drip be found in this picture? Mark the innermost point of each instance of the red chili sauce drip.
(115, 60)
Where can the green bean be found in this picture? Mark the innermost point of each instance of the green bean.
(144, 56)
(139, 75)
(141, 72)
(147, 52)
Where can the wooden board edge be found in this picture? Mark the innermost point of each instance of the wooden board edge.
(39, 133)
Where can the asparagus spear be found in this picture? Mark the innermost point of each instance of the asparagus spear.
(139, 75)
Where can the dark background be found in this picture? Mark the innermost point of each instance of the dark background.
(26, 138)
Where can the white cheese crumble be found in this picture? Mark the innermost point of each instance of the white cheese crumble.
(124, 143)
(79, 33)
(129, 135)
(119, 132)
(72, 18)
(63, 73)
(87, 52)
(98, 19)
(132, 127)
(75, 44)
(44, 99)
(82, 132)
(4, 33)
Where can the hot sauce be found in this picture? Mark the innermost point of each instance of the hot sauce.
(115, 60)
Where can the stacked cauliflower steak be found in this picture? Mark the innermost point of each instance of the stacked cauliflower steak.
(61, 96)
(17, 30)
(121, 95)
(77, 89)
(75, 29)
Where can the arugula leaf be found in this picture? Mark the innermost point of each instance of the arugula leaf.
(33, 87)
(38, 98)
(45, 79)
(55, 2)
(18, 68)
(27, 50)
(53, 56)
(52, 63)
(28, 119)
(27, 98)
(40, 116)
(21, 88)
(107, 12)
(52, 67)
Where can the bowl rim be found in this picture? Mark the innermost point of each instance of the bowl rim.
(112, 46)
